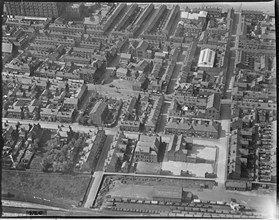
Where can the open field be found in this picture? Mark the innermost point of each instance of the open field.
(59, 190)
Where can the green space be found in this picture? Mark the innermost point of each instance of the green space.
(58, 190)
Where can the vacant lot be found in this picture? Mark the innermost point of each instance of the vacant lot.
(59, 190)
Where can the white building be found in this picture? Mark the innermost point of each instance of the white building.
(207, 57)
(193, 16)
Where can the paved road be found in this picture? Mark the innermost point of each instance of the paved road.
(104, 153)
(222, 145)
(230, 73)
(235, 22)
(98, 176)
(160, 176)
(18, 210)
(10, 203)
(162, 118)
(174, 78)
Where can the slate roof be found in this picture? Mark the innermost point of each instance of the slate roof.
(213, 101)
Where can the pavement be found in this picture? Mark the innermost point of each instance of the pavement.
(104, 153)
(174, 78)
(98, 176)
(160, 176)
(222, 144)
(10, 203)
(162, 117)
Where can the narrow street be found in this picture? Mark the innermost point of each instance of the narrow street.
(174, 78)
(104, 153)
(98, 176)
(230, 73)
(162, 118)
(54, 125)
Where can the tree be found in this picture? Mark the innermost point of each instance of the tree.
(67, 88)
(5, 105)
(90, 121)
(36, 144)
(82, 120)
(57, 92)
(47, 164)
(14, 135)
(37, 114)
(21, 113)
(48, 84)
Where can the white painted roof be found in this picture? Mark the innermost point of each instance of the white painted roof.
(207, 57)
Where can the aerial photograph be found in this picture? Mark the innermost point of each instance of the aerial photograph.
(125, 109)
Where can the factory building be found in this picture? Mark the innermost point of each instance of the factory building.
(207, 57)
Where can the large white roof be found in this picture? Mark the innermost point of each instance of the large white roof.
(193, 16)
(207, 57)
(203, 14)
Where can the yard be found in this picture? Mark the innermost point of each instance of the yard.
(197, 169)
(58, 190)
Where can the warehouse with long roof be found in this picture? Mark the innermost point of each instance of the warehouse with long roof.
(207, 57)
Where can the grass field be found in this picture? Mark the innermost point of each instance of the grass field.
(59, 190)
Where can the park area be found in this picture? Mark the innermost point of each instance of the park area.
(59, 190)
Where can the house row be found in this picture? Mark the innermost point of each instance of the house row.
(193, 128)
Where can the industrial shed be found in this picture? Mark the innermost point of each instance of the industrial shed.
(167, 193)
(206, 58)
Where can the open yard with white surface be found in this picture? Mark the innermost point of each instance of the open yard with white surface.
(205, 153)
(131, 191)
(199, 169)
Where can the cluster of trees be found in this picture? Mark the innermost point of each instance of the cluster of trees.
(62, 157)
(113, 115)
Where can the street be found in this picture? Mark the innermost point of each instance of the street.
(174, 78)
(230, 73)
(98, 176)
(162, 118)
(54, 125)
(104, 153)
(235, 22)
(16, 208)
(222, 144)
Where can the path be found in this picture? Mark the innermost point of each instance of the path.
(98, 176)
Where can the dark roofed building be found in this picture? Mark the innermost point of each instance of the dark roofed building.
(129, 126)
(167, 193)
(141, 49)
(238, 185)
(98, 113)
(213, 107)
